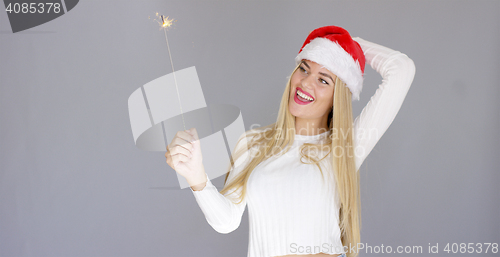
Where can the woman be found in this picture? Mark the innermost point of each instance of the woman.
(299, 176)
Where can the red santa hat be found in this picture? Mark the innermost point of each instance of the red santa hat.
(333, 48)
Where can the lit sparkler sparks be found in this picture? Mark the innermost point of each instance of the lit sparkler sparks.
(165, 23)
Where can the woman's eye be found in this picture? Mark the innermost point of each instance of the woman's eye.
(302, 69)
(323, 81)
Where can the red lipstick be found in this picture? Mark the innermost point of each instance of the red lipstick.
(299, 101)
(305, 93)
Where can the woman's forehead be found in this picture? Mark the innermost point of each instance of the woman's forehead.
(318, 66)
(322, 69)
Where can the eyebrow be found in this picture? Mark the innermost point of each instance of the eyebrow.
(306, 64)
(328, 76)
(324, 74)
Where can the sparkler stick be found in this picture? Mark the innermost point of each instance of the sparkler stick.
(166, 23)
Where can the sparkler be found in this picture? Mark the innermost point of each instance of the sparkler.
(150, 124)
(165, 23)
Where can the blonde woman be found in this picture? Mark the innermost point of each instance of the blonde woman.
(299, 176)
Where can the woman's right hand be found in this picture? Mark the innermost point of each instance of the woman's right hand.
(184, 156)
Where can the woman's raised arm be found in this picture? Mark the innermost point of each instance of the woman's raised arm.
(397, 71)
(220, 211)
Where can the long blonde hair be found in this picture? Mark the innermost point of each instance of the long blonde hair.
(278, 137)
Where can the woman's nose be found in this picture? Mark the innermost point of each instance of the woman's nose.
(307, 82)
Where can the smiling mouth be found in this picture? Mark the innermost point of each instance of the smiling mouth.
(303, 97)
(298, 99)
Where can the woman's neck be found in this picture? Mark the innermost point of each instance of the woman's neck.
(309, 128)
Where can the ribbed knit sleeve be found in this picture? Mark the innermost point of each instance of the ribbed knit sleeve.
(221, 211)
(397, 71)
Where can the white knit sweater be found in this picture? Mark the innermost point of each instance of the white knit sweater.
(291, 209)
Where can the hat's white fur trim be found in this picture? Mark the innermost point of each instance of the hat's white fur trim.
(333, 57)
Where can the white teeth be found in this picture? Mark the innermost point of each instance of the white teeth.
(304, 96)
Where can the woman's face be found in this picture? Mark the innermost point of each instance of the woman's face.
(314, 81)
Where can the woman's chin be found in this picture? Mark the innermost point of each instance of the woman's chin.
(295, 113)
(296, 109)
(292, 110)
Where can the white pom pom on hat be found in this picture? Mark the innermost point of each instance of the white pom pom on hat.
(333, 48)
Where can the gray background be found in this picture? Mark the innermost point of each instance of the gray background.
(72, 182)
